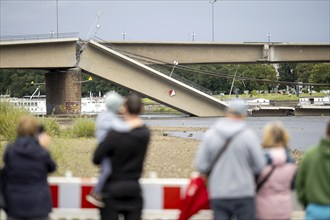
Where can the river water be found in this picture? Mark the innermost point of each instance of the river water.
(304, 130)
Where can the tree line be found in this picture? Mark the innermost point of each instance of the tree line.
(218, 78)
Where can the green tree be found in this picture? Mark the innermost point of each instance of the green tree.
(255, 71)
(17, 83)
(303, 72)
(287, 73)
(321, 74)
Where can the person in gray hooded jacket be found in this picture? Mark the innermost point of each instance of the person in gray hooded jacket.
(231, 183)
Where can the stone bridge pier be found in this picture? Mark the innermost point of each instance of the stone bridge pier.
(63, 91)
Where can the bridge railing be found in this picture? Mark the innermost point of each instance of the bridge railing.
(39, 36)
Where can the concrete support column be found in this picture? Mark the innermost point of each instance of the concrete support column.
(63, 92)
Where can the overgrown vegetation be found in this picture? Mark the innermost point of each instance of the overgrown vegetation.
(62, 139)
(83, 127)
(52, 127)
(9, 116)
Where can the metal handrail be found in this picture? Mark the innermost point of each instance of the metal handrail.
(39, 36)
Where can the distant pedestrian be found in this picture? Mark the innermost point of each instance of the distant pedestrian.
(231, 183)
(104, 123)
(313, 180)
(127, 151)
(27, 163)
(277, 176)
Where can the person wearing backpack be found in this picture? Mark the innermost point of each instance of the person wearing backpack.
(275, 183)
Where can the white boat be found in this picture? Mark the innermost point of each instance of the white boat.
(314, 101)
(258, 102)
(37, 105)
(92, 105)
(313, 106)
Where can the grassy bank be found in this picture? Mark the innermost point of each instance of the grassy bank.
(272, 96)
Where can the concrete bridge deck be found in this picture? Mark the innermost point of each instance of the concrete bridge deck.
(183, 52)
(109, 64)
(97, 59)
(208, 53)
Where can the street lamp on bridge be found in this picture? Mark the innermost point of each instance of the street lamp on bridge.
(268, 36)
(212, 2)
(193, 34)
(57, 18)
(124, 35)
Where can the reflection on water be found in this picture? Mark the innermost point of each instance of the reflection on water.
(304, 130)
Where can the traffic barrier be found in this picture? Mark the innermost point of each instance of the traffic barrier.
(158, 194)
(162, 199)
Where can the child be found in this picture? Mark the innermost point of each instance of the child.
(104, 123)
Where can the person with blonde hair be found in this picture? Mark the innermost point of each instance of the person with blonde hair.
(277, 176)
(27, 163)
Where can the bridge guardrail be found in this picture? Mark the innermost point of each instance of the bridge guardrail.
(39, 36)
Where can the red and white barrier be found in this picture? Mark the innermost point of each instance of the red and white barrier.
(162, 199)
(160, 194)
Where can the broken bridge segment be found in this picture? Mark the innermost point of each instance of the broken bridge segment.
(104, 62)
(39, 54)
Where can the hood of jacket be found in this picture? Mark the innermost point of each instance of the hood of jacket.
(325, 146)
(27, 147)
(278, 156)
(229, 126)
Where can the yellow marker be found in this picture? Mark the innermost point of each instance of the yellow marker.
(32, 83)
(90, 78)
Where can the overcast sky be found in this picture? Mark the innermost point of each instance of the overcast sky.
(234, 21)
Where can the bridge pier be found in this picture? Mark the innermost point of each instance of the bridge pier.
(63, 91)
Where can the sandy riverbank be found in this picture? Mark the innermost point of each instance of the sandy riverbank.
(174, 157)
(169, 157)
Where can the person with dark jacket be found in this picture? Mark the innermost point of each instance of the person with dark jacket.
(27, 163)
(126, 150)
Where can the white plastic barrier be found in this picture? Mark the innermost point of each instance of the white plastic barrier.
(158, 194)
(162, 198)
